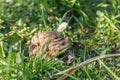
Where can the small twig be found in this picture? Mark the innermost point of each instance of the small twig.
(71, 70)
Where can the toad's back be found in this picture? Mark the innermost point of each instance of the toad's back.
(54, 41)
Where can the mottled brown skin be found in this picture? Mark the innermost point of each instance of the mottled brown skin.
(53, 42)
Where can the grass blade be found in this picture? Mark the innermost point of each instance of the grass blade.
(2, 53)
(108, 69)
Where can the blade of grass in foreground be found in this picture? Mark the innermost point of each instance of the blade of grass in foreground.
(108, 69)
(2, 53)
(87, 74)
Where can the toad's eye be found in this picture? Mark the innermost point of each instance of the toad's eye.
(56, 37)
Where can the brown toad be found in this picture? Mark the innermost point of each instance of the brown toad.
(48, 42)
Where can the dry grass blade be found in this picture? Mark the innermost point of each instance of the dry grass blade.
(71, 70)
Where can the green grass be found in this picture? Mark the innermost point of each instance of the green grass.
(94, 24)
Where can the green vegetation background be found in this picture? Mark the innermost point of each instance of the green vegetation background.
(93, 24)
